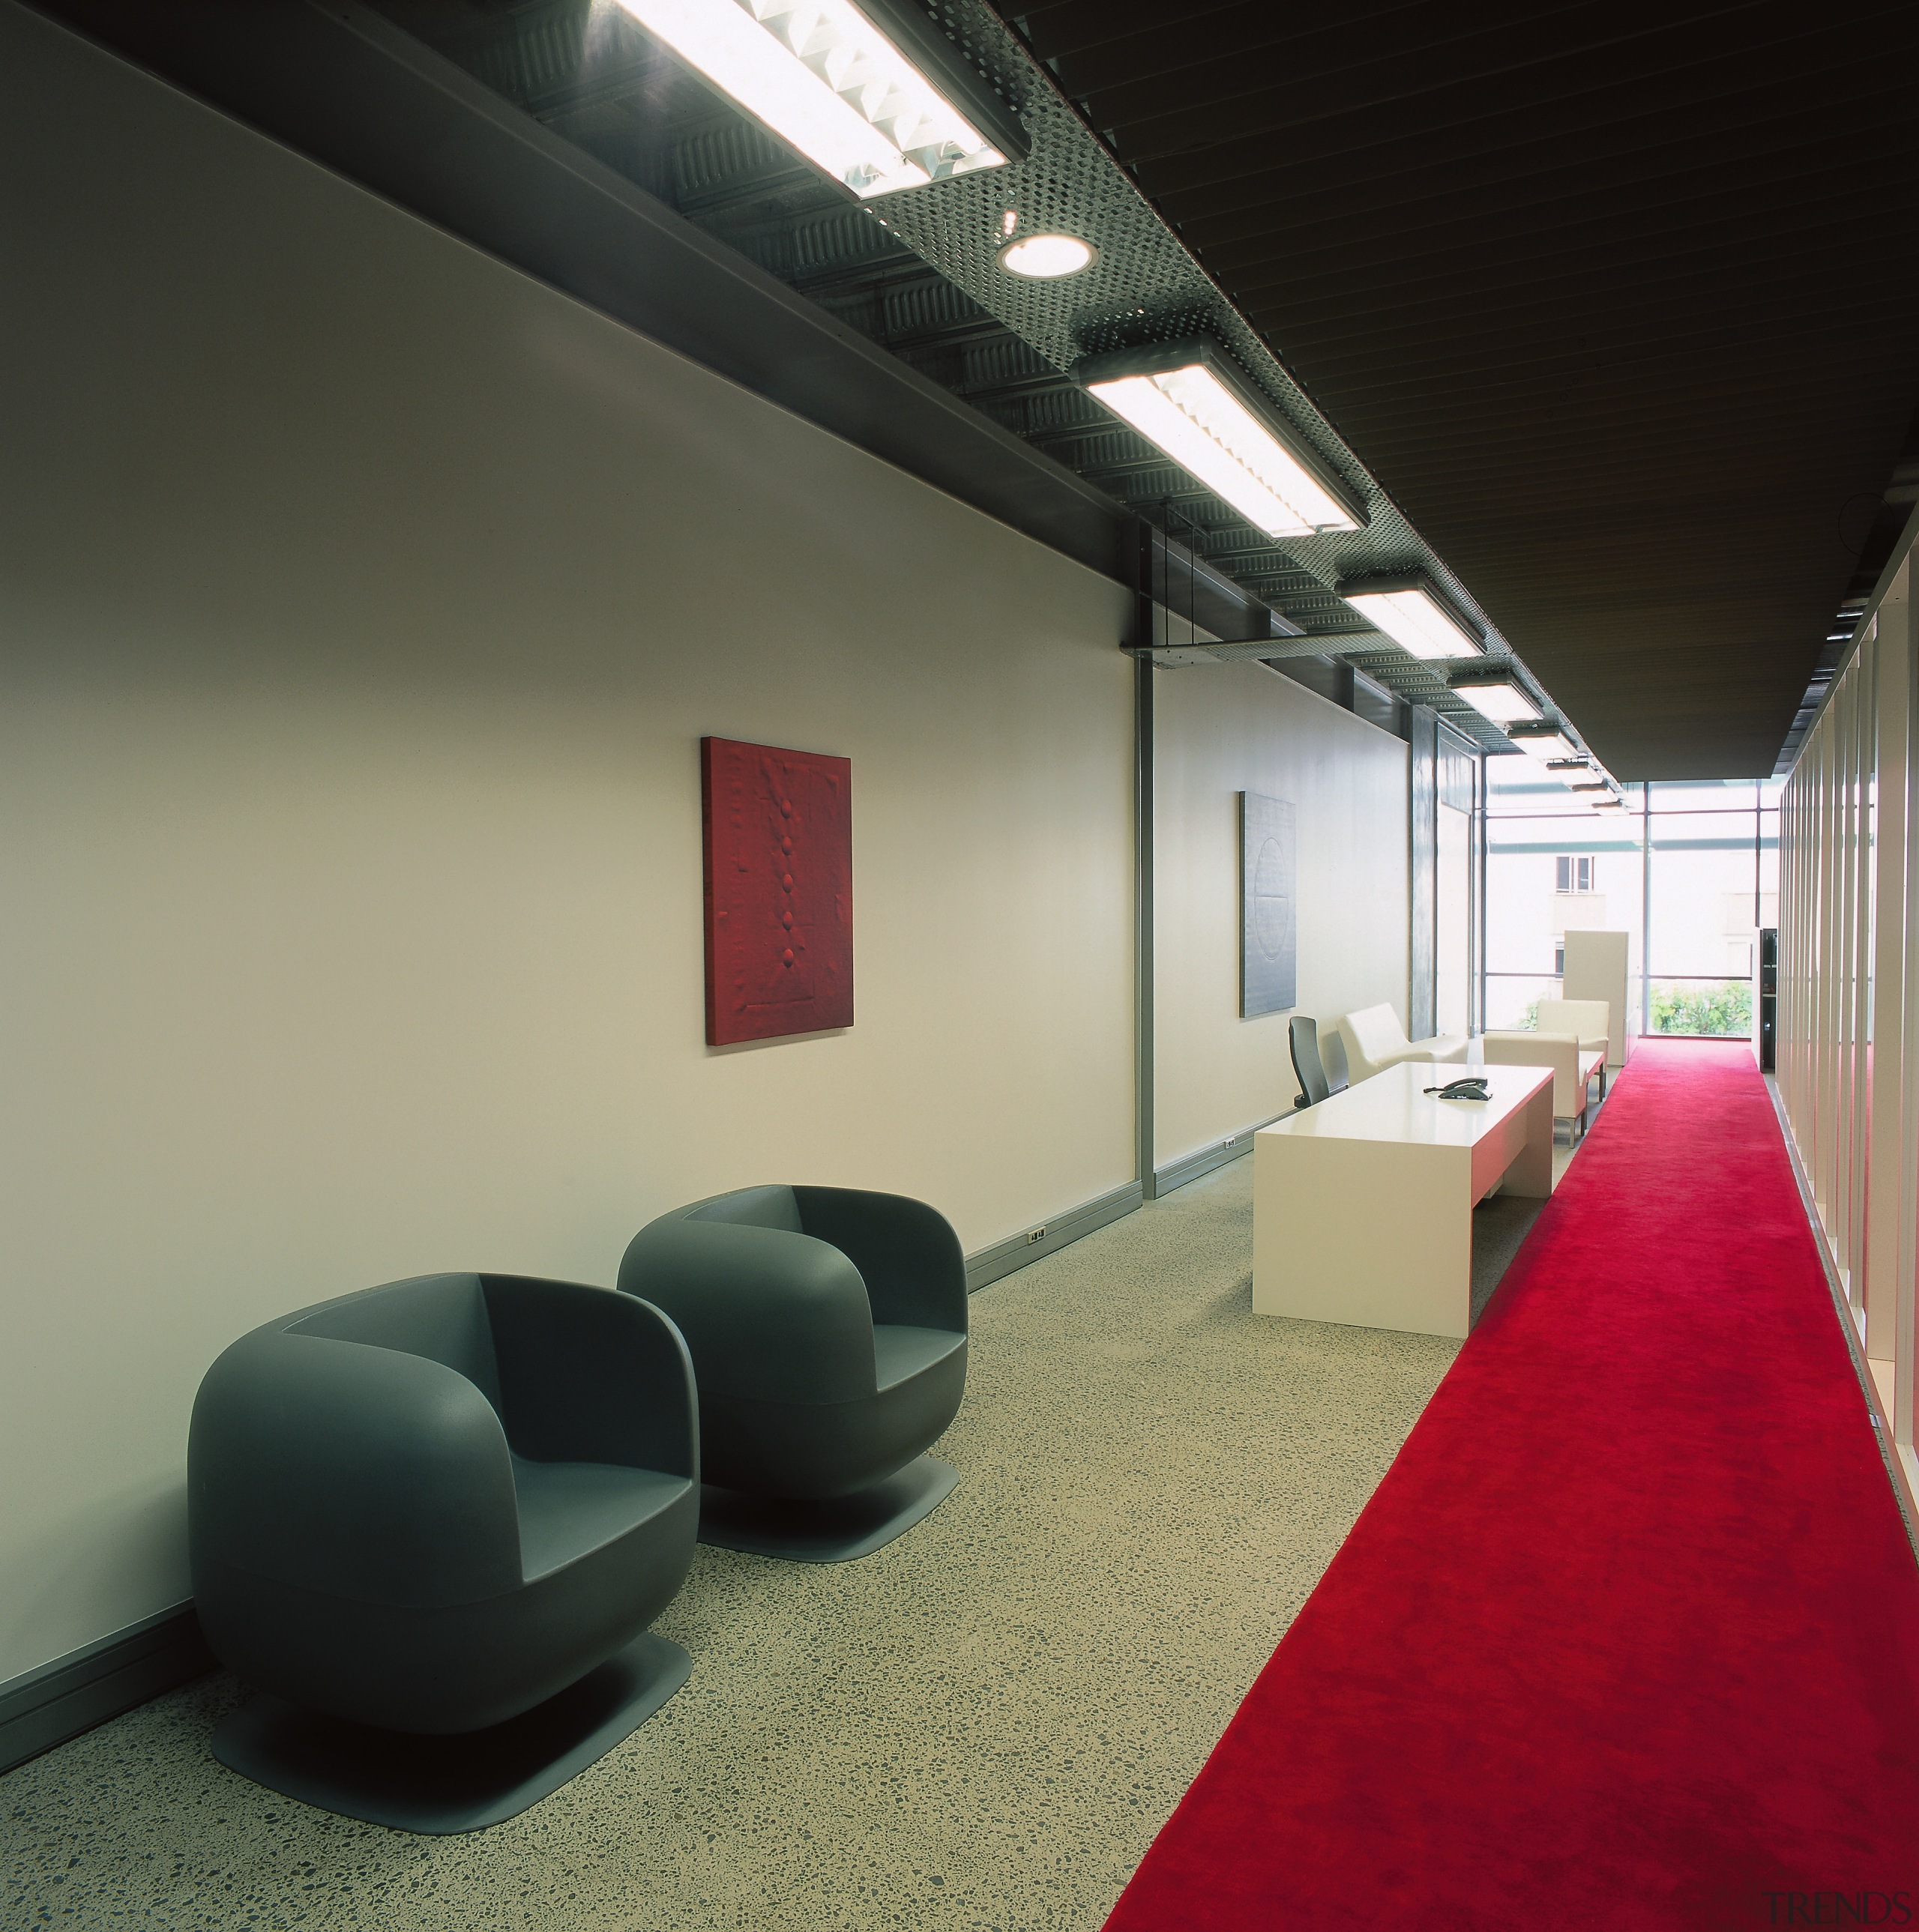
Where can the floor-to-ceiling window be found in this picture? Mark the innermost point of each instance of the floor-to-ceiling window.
(1690, 871)
(1713, 882)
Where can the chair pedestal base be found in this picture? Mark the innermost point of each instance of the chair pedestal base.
(835, 1531)
(442, 1785)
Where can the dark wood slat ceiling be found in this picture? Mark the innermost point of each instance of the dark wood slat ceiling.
(1618, 303)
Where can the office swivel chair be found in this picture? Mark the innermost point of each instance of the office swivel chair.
(828, 1331)
(432, 1522)
(1304, 1035)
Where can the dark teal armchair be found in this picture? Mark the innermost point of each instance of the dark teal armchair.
(429, 1510)
(827, 1327)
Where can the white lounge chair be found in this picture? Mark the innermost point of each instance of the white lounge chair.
(1374, 1040)
(1588, 1018)
(1573, 1066)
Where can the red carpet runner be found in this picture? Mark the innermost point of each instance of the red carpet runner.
(1628, 1636)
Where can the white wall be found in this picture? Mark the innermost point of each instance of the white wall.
(1219, 730)
(363, 603)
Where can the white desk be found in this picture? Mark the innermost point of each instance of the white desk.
(1363, 1206)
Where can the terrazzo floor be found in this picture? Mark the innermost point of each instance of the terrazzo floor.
(982, 1726)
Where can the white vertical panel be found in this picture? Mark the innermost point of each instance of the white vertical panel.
(1897, 625)
(1861, 875)
(1845, 932)
(1883, 1176)
(1828, 966)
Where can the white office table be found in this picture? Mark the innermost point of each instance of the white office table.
(1363, 1206)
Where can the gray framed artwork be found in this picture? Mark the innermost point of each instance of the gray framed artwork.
(1268, 924)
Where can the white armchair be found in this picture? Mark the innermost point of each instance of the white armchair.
(1588, 1018)
(1573, 1065)
(1374, 1040)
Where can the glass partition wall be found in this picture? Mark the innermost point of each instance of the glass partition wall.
(1848, 1053)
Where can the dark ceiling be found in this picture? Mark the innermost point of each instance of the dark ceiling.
(1617, 304)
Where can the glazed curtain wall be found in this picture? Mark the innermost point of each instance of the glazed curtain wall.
(1848, 1053)
(1689, 871)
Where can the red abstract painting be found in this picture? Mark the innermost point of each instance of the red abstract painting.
(778, 828)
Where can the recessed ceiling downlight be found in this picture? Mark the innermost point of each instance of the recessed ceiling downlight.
(1047, 258)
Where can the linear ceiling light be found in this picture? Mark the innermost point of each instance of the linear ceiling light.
(1188, 399)
(1547, 743)
(1500, 698)
(857, 100)
(1415, 614)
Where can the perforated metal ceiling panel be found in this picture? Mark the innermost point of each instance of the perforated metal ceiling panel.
(1617, 304)
(918, 272)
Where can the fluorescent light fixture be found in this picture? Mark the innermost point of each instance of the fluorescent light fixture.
(1190, 399)
(1416, 613)
(1047, 258)
(1500, 698)
(1593, 783)
(872, 106)
(1547, 743)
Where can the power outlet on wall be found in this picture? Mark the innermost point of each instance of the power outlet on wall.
(1036, 1234)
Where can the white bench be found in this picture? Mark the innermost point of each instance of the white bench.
(1373, 1039)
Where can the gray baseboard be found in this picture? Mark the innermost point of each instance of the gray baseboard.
(1189, 1167)
(1004, 1258)
(47, 1706)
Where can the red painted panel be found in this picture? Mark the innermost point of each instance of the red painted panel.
(778, 891)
